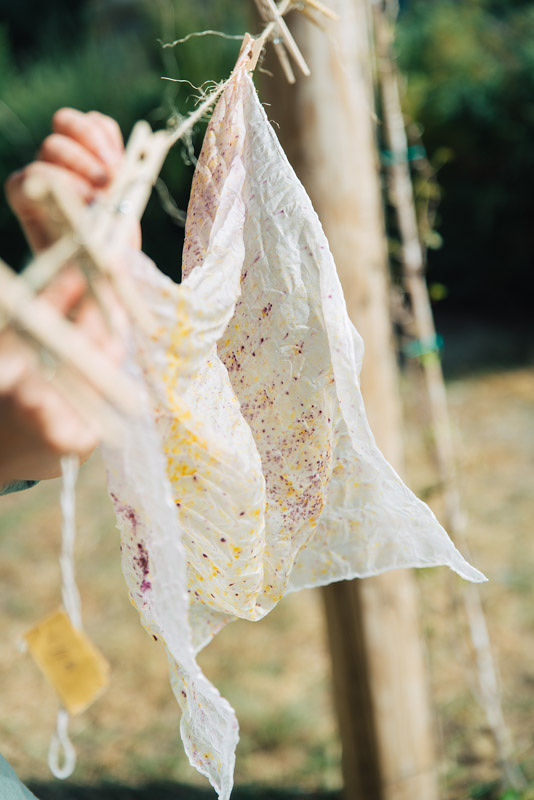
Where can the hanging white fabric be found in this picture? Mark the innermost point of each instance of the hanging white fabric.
(255, 472)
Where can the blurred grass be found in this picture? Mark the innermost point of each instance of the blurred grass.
(168, 791)
(276, 673)
(131, 736)
(492, 412)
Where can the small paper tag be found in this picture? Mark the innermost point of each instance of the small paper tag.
(70, 662)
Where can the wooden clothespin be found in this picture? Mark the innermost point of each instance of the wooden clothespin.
(86, 238)
(280, 34)
(252, 47)
(95, 235)
(145, 153)
(308, 9)
(277, 30)
(317, 6)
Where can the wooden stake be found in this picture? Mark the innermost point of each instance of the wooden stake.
(327, 126)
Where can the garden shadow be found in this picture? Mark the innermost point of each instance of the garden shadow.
(166, 791)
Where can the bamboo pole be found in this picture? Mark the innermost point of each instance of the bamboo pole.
(413, 264)
(380, 688)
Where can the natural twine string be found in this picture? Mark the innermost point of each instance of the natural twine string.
(69, 590)
(221, 34)
(61, 748)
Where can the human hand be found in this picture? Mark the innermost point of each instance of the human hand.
(83, 152)
(37, 425)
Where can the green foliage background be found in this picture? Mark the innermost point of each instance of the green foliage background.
(469, 68)
(106, 55)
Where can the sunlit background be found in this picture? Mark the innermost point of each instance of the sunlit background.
(468, 68)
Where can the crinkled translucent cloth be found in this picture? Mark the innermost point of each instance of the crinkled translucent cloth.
(253, 471)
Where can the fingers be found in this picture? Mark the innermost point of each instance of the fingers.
(90, 132)
(110, 128)
(59, 426)
(16, 358)
(85, 151)
(89, 320)
(102, 320)
(17, 197)
(38, 427)
(34, 219)
(69, 154)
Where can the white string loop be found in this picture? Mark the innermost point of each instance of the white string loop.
(60, 743)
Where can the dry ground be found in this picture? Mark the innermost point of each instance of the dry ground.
(276, 673)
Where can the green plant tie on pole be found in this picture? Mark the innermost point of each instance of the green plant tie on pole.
(415, 153)
(424, 349)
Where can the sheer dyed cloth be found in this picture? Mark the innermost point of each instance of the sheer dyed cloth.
(253, 471)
